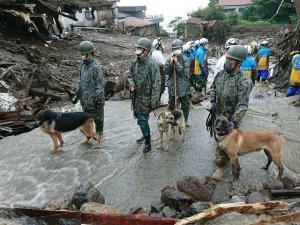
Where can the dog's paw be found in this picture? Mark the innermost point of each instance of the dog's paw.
(160, 148)
(96, 147)
(84, 142)
(56, 150)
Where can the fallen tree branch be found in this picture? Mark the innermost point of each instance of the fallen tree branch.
(239, 207)
(285, 218)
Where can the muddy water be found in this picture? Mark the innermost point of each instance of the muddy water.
(31, 175)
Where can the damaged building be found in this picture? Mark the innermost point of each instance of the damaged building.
(43, 18)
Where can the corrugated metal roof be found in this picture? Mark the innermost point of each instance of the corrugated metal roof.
(136, 22)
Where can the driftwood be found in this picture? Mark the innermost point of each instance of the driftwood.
(239, 207)
(285, 218)
(6, 71)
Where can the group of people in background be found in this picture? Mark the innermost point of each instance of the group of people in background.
(235, 74)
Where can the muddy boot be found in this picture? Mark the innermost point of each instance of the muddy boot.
(219, 173)
(147, 145)
(140, 140)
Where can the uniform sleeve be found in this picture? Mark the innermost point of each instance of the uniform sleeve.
(130, 75)
(155, 81)
(213, 89)
(168, 68)
(78, 86)
(244, 90)
(180, 66)
(98, 77)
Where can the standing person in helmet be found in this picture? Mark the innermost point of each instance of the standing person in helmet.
(178, 65)
(144, 83)
(201, 66)
(230, 93)
(249, 65)
(221, 61)
(158, 56)
(262, 59)
(90, 88)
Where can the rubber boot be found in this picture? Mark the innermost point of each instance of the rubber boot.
(219, 174)
(147, 145)
(140, 140)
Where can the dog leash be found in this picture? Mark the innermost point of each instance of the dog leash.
(210, 121)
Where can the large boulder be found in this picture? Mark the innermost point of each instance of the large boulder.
(86, 193)
(200, 188)
(60, 203)
(94, 207)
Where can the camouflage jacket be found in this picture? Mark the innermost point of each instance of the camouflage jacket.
(90, 88)
(144, 76)
(183, 74)
(231, 94)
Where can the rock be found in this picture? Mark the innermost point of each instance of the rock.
(287, 182)
(175, 199)
(99, 208)
(137, 210)
(255, 197)
(222, 192)
(243, 188)
(196, 208)
(273, 184)
(60, 203)
(168, 212)
(200, 188)
(237, 198)
(86, 193)
(156, 207)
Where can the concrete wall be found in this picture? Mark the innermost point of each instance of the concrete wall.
(260, 28)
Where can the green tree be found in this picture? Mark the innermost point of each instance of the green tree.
(264, 10)
(211, 12)
(232, 18)
(177, 25)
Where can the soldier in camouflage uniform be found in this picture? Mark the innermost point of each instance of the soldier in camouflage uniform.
(230, 93)
(90, 88)
(183, 73)
(144, 83)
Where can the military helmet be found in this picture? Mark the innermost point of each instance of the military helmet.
(237, 52)
(86, 47)
(197, 43)
(203, 41)
(156, 43)
(144, 43)
(264, 43)
(231, 41)
(177, 43)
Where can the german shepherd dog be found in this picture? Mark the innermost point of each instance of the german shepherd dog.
(166, 123)
(235, 142)
(56, 123)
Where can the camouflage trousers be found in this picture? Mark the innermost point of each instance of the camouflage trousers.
(98, 115)
(221, 158)
(185, 105)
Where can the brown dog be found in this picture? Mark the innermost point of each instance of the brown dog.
(235, 142)
(166, 123)
(56, 123)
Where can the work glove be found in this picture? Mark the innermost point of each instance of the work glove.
(174, 60)
(75, 99)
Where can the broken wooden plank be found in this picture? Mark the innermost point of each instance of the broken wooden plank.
(280, 219)
(239, 207)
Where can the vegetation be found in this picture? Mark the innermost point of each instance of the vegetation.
(261, 12)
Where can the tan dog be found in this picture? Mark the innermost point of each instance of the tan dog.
(166, 123)
(235, 142)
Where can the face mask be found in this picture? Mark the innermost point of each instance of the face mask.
(227, 67)
(83, 57)
(139, 53)
(177, 52)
